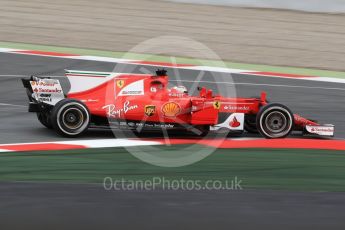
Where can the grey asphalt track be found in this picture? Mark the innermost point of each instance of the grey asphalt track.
(65, 206)
(321, 101)
(58, 206)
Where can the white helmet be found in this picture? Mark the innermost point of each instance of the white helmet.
(179, 89)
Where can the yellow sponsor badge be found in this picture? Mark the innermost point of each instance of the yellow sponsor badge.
(216, 104)
(120, 83)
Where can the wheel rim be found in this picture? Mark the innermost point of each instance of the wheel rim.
(72, 118)
(276, 122)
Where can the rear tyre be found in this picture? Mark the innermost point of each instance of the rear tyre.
(70, 118)
(275, 121)
(44, 119)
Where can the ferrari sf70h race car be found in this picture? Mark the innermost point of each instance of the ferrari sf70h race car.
(144, 101)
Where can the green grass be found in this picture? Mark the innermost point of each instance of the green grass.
(181, 60)
(301, 170)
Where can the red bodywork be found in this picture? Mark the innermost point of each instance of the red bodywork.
(157, 103)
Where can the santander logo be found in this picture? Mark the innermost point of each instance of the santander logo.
(234, 123)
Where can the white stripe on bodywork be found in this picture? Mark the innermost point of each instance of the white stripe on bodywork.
(134, 88)
(80, 83)
(83, 83)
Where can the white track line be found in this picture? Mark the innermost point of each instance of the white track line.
(105, 143)
(198, 68)
(13, 75)
(28, 75)
(12, 105)
(205, 68)
(5, 150)
(8, 50)
(92, 143)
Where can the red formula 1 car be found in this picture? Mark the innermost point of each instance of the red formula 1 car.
(143, 101)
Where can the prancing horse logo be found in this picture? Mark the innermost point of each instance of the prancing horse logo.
(120, 83)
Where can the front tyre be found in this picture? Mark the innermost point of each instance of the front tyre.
(275, 121)
(70, 118)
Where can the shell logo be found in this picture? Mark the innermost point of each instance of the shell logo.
(171, 109)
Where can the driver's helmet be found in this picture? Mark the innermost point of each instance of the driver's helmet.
(178, 89)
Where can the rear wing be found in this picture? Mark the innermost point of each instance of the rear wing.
(43, 93)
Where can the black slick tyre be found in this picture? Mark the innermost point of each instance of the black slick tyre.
(70, 118)
(275, 121)
(44, 119)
